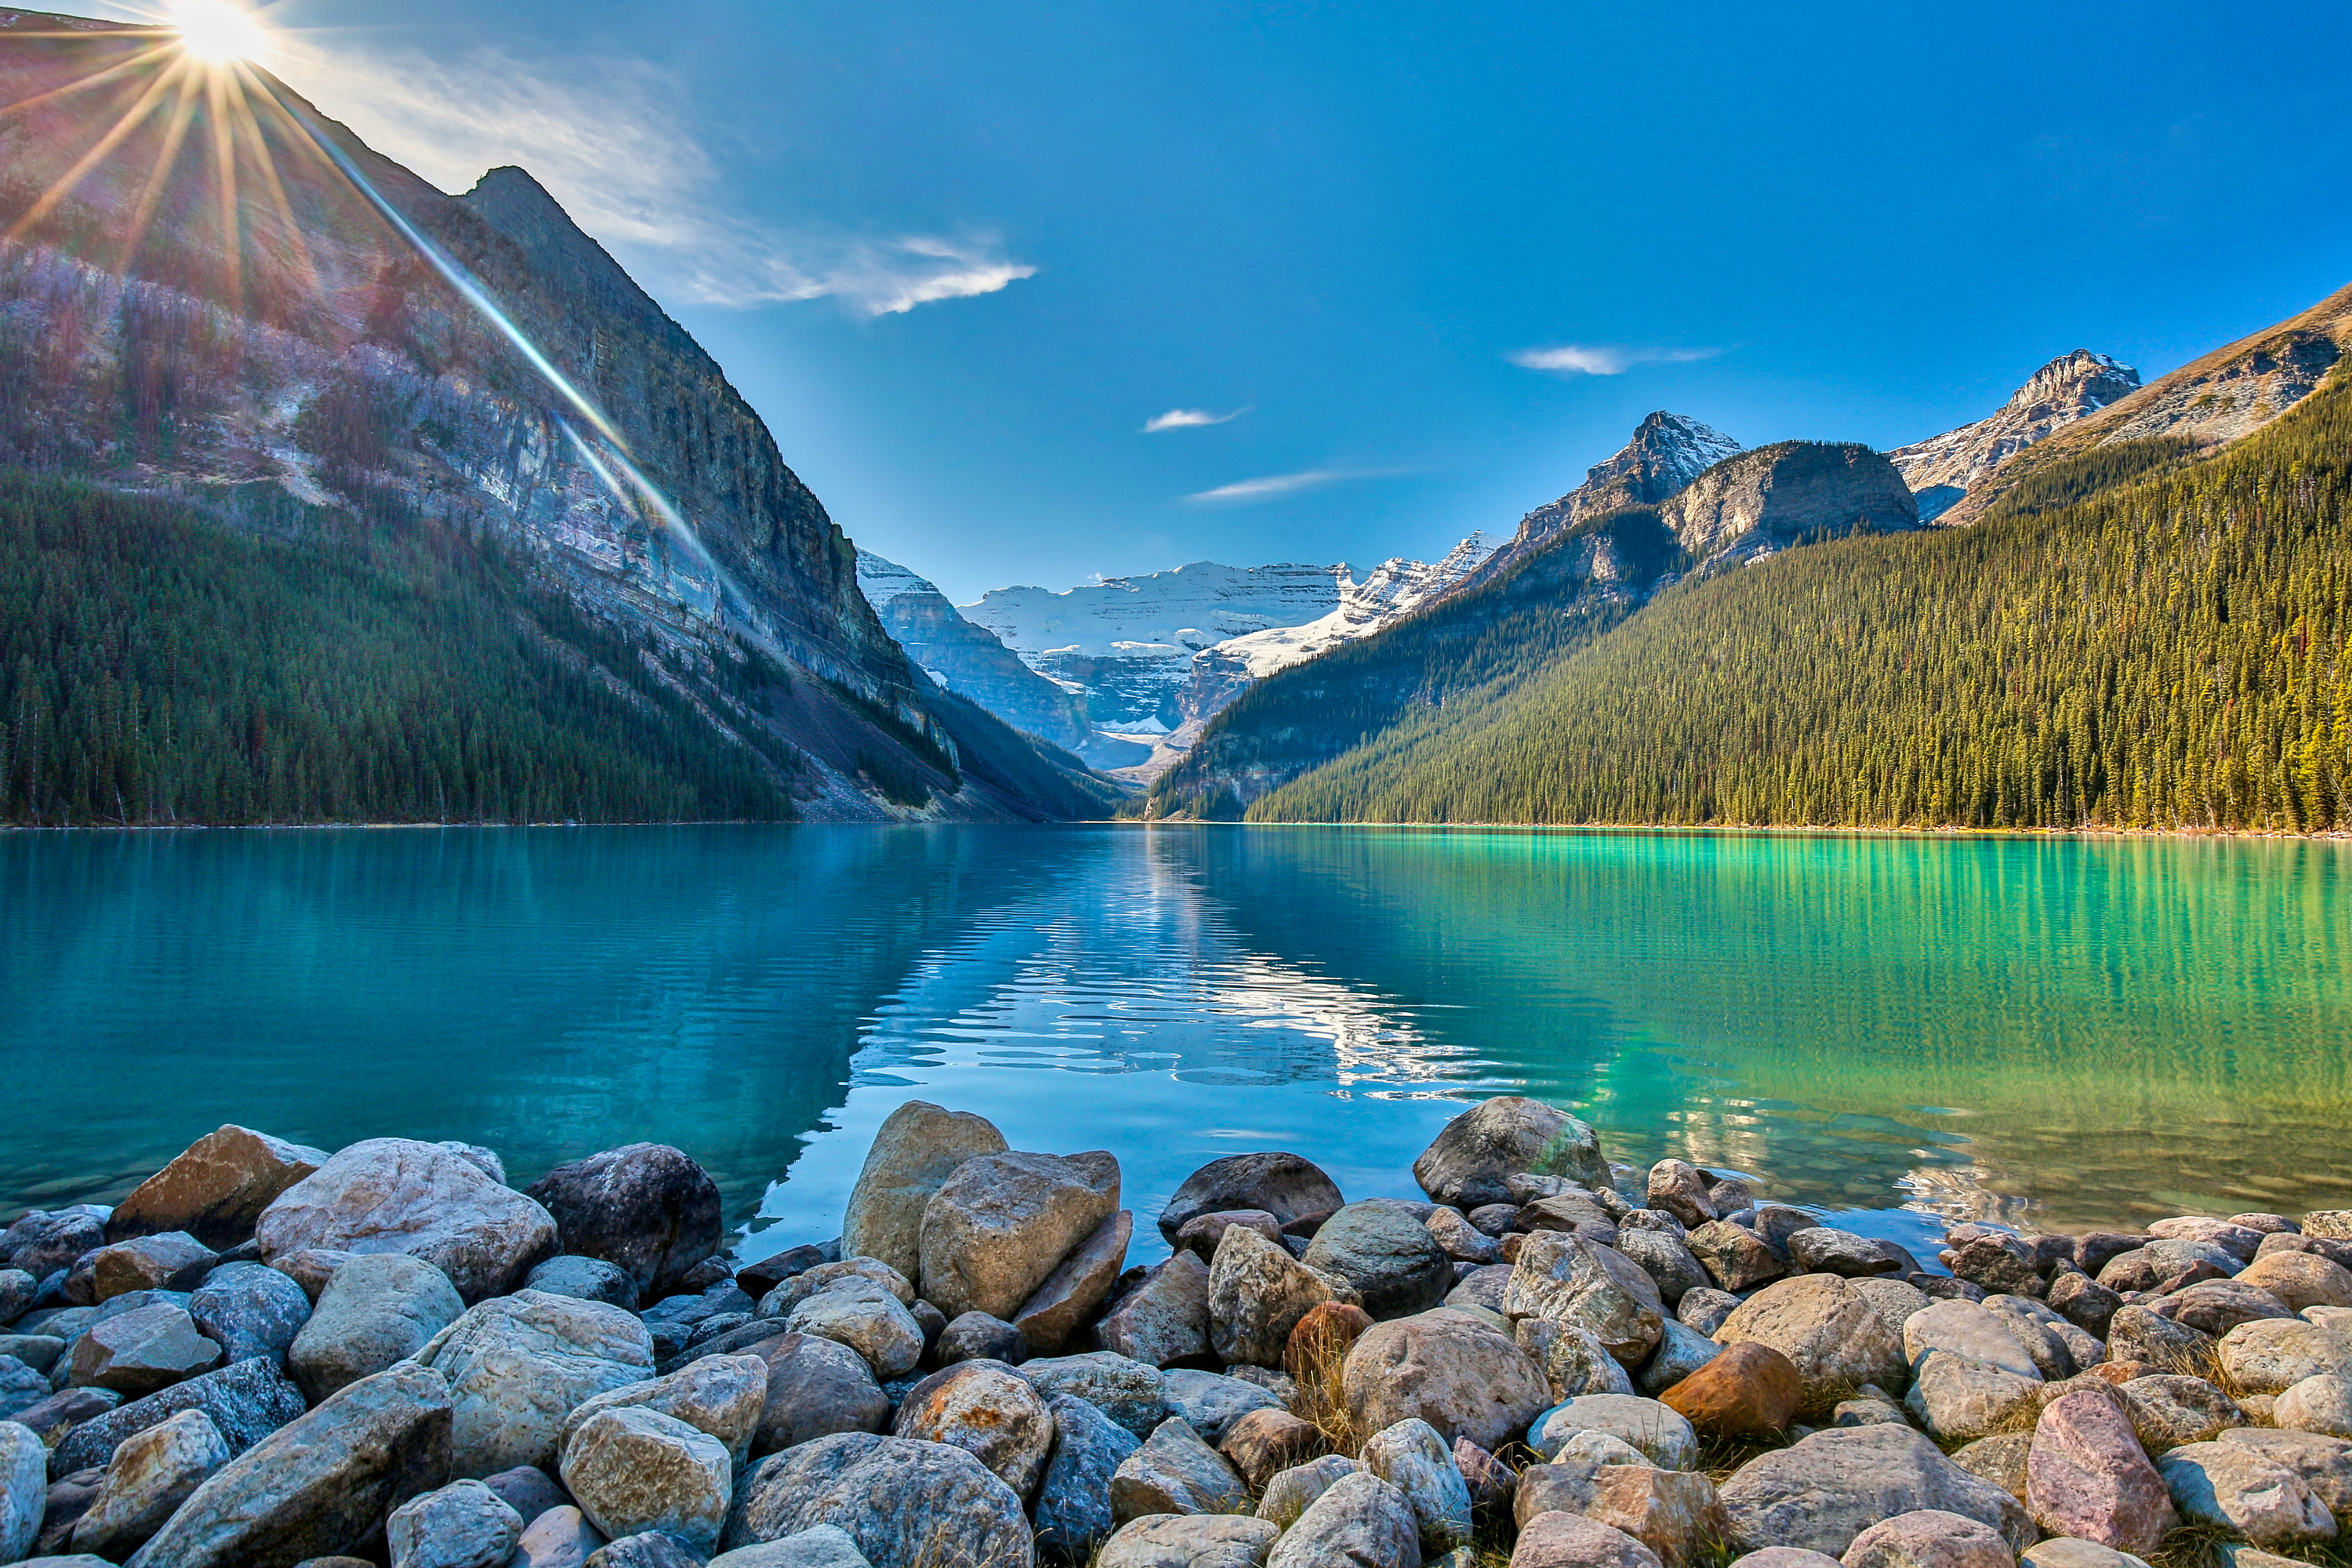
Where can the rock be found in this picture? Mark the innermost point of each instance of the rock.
(779, 1301)
(2217, 1306)
(42, 1242)
(1829, 1487)
(585, 1279)
(172, 1261)
(1929, 1538)
(2084, 1302)
(1735, 1258)
(1789, 1557)
(1828, 1332)
(976, 1336)
(917, 1147)
(1667, 1262)
(645, 1208)
(1200, 1234)
(247, 1403)
(2234, 1239)
(1175, 1472)
(560, 1537)
(1073, 1512)
(2001, 1459)
(2066, 1551)
(527, 1489)
(519, 1364)
(2323, 1464)
(905, 1504)
(320, 1485)
(22, 1386)
(1322, 1339)
(1999, 1264)
(867, 1319)
(1750, 1390)
(816, 1388)
(2271, 1355)
(1969, 1331)
(632, 1469)
(1655, 1430)
(2167, 1411)
(1574, 1362)
(1568, 1280)
(1681, 1352)
(1000, 1224)
(2320, 1403)
(393, 1194)
(991, 1412)
(1358, 1521)
(1412, 1458)
(2135, 1333)
(1209, 1403)
(1051, 1320)
(376, 1309)
(152, 1473)
(1462, 1376)
(215, 1189)
(1193, 1540)
(2299, 1279)
(1573, 1211)
(1461, 1241)
(1675, 1188)
(1292, 1491)
(1166, 1319)
(1131, 1393)
(1705, 1309)
(720, 1396)
(24, 1489)
(462, 1525)
(1956, 1398)
(1257, 1294)
(1482, 1286)
(2087, 1477)
(250, 1312)
(1391, 1259)
(1818, 1250)
(1572, 1541)
(646, 1549)
(142, 1352)
(820, 1546)
(310, 1268)
(2238, 1489)
(1673, 1513)
(1262, 1444)
(1283, 1185)
(1470, 1160)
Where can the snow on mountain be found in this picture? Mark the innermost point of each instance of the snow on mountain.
(1396, 587)
(1943, 468)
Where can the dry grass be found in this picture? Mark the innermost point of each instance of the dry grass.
(2202, 1545)
(1323, 1403)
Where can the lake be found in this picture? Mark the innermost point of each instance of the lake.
(2079, 1032)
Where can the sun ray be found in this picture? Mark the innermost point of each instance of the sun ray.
(267, 165)
(82, 83)
(175, 133)
(65, 183)
(232, 238)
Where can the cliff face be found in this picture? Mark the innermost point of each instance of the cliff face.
(1757, 502)
(218, 294)
(2074, 386)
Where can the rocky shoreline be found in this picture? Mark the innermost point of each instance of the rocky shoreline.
(269, 1355)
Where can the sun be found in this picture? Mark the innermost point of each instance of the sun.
(218, 32)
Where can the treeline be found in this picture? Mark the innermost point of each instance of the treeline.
(158, 665)
(2133, 642)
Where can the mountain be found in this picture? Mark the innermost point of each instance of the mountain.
(217, 301)
(1943, 468)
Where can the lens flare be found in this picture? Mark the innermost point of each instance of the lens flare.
(217, 32)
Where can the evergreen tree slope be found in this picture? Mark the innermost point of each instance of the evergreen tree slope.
(2131, 638)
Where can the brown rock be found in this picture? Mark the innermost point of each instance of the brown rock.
(917, 1148)
(1675, 1514)
(1324, 1337)
(1166, 1319)
(2300, 1279)
(1050, 1319)
(1199, 1235)
(1734, 1256)
(1572, 1541)
(1826, 1328)
(1261, 1444)
(215, 1189)
(999, 1226)
(1749, 1391)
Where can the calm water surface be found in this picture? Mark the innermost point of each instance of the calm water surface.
(2090, 1032)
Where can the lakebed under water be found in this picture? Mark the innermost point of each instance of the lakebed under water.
(2072, 1032)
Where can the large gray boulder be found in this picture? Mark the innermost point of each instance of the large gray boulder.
(816, 1388)
(1175, 1472)
(1165, 1319)
(1051, 1320)
(1358, 1521)
(1283, 1185)
(1208, 1402)
(1827, 1328)
(1412, 1458)
(633, 1470)
(1957, 1400)
(2271, 1355)
(2238, 1490)
(644, 1207)
(43, 1241)
(377, 1309)
(1470, 1162)
(319, 1487)
(24, 1489)
(917, 1148)
(990, 1411)
(1130, 1392)
(1658, 1433)
(1258, 1293)
(395, 1194)
(906, 1504)
(1394, 1263)
(1456, 1372)
(251, 1312)
(1827, 1489)
(1000, 1224)
(588, 1278)
(1190, 1540)
(1073, 1512)
(150, 1475)
(868, 1320)
(215, 1189)
(519, 1364)
(1562, 1277)
(462, 1525)
(722, 1396)
(245, 1403)
(819, 1546)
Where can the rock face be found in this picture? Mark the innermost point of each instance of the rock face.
(1460, 1375)
(991, 1412)
(917, 1147)
(1073, 1512)
(646, 1208)
(1467, 1164)
(319, 1486)
(1765, 501)
(516, 1366)
(375, 1310)
(999, 1225)
(905, 1504)
(1394, 1263)
(635, 1469)
(1283, 1185)
(393, 1194)
(1257, 1294)
(1830, 1486)
(1942, 468)
(216, 1189)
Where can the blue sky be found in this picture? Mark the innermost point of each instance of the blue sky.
(1340, 224)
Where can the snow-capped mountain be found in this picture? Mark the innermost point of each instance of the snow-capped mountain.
(1943, 468)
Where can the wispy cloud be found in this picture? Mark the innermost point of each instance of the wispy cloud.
(1603, 359)
(1244, 491)
(1187, 419)
(602, 136)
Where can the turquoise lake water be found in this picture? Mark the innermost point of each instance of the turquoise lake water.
(2077, 1031)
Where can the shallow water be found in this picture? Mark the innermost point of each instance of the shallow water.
(2078, 1032)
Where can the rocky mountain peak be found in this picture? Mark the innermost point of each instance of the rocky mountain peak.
(1943, 468)
(2082, 378)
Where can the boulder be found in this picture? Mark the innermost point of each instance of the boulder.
(1673, 1513)
(1591, 1450)
(377, 1309)
(1655, 1430)
(1704, 1309)
(1667, 1262)
(519, 1364)
(527, 1489)
(1571, 1211)
(1482, 1286)
(1292, 1491)
(1258, 1293)
(1053, 1317)
(991, 1412)
(2087, 1477)
(2323, 1464)
(1412, 1458)
(1471, 1159)
(2271, 1355)
(644, 1207)
(1463, 1242)
(976, 1336)
(779, 1301)
(172, 1261)
(1201, 1233)
(560, 1537)
(2217, 1306)
(2001, 1459)
(142, 1350)
(1930, 1538)
(1573, 1361)
(215, 1189)
(1675, 1187)
(1829, 1487)
(462, 1525)
(245, 1403)
(2167, 1411)
(1463, 1376)
(2234, 1488)
(1208, 1403)
(1263, 1444)
(1320, 1341)
(23, 1385)
(867, 1319)
(1190, 1540)
(2136, 1333)
(2300, 1279)
(150, 1475)
(24, 1489)
(1572, 1541)
(816, 1388)
(41, 1242)
(1165, 1319)
(2084, 1302)
(633, 1470)
(587, 1279)
(1175, 1472)
(2237, 1240)
(395, 1194)
(1996, 1263)
(905, 1504)
(1130, 1392)
(1734, 1256)
(2066, 1551)
(1492, 1483)
(1750, 1391)
(319, 1486)
(998, 1226)
(1073, 1512)
(1568, 1280)
(1283, 1185)
(646, 1549)
(310, 1268)
(1359, 1520)
(1394, 1263)
(250, 1310)
(819, 1546)
(1828, 1330)
(917, 1147)
(720, 1396)
(2320, 1403)
(1681, 1352)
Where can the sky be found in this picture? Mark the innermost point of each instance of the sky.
(1397, 271)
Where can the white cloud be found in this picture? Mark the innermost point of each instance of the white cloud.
(1267, 487)
(1187, 419)
(1602, 359)
(600, 136)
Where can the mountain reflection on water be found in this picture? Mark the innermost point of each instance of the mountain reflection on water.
(2086, 1031)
